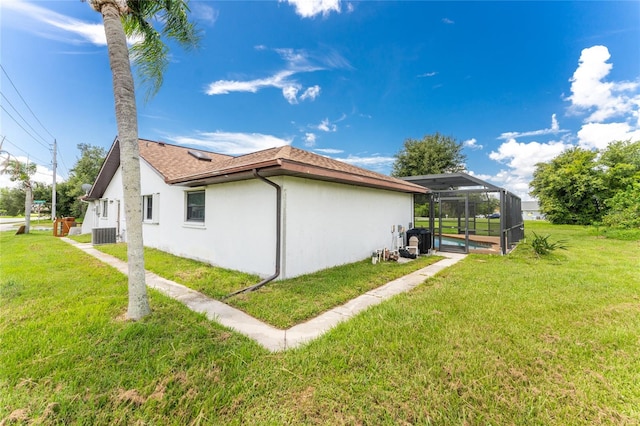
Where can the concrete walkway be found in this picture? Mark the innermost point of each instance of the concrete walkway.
(268, 336)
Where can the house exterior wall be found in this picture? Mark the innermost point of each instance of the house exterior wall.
(328, 224)
(94, 216)
(238, 231)
(531, 211)
(323, 224)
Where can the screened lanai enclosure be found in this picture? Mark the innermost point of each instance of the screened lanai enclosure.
(464, 214)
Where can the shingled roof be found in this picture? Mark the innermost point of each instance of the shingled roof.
(192, 167)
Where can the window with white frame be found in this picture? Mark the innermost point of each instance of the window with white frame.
(147, 208)
(195, 206)
(105, 208)
(150, 206)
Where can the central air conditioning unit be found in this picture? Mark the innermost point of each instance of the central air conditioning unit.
(103, 236)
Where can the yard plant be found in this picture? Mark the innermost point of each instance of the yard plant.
(516, 339)
(542, 245)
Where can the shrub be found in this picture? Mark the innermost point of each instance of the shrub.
(542, 246)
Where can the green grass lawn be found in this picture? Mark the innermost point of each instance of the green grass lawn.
(492, 340)
(280, 303)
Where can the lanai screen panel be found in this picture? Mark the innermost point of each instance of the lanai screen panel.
(507, 226)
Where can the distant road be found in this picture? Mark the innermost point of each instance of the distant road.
(12, 223)
(9, 223)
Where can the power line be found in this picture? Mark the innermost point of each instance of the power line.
(63, 163)
(25, 102)
(23, 119)
(22, 127)
(42, 163)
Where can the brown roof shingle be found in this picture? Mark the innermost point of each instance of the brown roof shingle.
(174, 162)
(294, 161)
(177, 166)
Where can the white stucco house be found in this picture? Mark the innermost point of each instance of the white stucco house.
(282, 211)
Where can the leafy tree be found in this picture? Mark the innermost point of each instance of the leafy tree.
(624, 208)
(42, 191)
(12, 201)
(22, 172)
(84, 171)
(136, 17)
(583, 187)
(433, 154)
(620, 162)
(570, 188)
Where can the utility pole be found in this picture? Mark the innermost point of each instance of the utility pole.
(53, 189)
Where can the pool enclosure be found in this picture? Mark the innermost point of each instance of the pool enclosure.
(466, 214)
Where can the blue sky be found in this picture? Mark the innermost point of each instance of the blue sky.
(516, 82)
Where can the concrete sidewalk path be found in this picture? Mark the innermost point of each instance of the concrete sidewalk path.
(272, 338)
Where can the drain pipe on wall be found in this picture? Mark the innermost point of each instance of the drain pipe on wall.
(278, 237)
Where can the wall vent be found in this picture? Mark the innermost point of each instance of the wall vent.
(103, 236)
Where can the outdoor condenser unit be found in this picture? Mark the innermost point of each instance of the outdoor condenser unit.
(103, 236)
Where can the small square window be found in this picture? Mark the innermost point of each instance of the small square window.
(195, 206)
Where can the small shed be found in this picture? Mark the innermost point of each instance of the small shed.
(466, 214)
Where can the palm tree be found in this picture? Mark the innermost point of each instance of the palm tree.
(22, 172)
(134, 18)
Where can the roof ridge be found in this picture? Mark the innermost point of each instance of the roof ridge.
(175, 145)
(285, 152)
(352, 168)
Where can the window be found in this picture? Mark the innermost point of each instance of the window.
(147, 208)
(105, 209)
(195, 206)
(150, 207)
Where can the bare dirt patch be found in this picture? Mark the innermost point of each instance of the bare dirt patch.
(17, 416)
(130, 396)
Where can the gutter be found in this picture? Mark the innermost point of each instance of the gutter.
(278, 238)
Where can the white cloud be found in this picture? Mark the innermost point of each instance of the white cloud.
(592, 96)
(448, 21)
(329, 151)
(290, 93)
(88, 32)
(309, 139)
(521, 158)
(599, 135)
(479, 175)
(514, 183)
(311, 8)
(297, 61)
(311, 93)
(231, 143)
(604, 99)
(204, 12)
(326, 126)
(553, 130)
(223, 87)
(428, 74)
(472, 144)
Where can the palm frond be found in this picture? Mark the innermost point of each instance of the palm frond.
(151, 54)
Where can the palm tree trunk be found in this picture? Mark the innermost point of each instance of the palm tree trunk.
(127, 122)
(27, 208)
